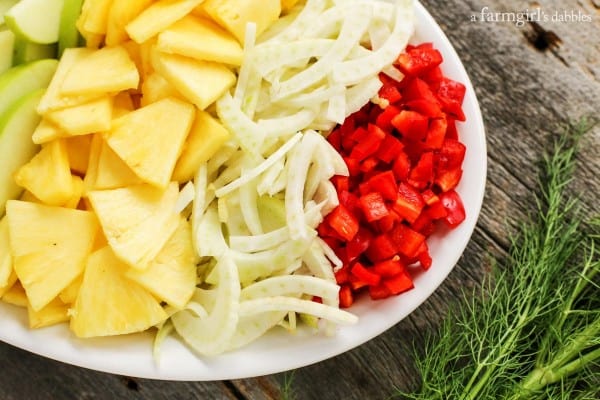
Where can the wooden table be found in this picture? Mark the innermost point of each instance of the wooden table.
(529, 79)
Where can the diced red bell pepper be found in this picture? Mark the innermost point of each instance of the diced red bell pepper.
(418, 60)
(341, 183)
(407, 240)
(384, 183)
(451, 155)
(399, 283)
(454, 207)
(335, 139)
(342, 275)
(423, 224)
(368, 143)
(384, 120)
(369, 164)
(428, 108)
(350, 201)
(373, 206)
(364, 274)
(452, 90)
(436, 210)
(448, 179)
(359, 244)
(343, 222)
(418, 89)
(353, 165)
(360, 133)
(390, 149)
(388, 268)
(346, 296)
(386, 223)
(424, 257)
(409, 202)
(421, 176)
(381, 247)
(436, 133)
(390, 93)
(433, 77)
(451, 131)
(379, 292)
(401, 166)
(411, 124)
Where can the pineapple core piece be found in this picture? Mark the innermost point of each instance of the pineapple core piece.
(110, 304)
(171, 276)
(137, 220)
(150, 139)
(120, 14)
(49, 247)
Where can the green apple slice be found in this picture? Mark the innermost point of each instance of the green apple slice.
(26, 51)
(23, 79)
(7, 45)
(68, 35)
(35, 20)
(16, 147)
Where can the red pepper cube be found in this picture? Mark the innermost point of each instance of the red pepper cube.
(389, 268)
(384, 183)
(368, 165)
(364, 274)
(379, 292)
(373, 206)
(454, 206)
(419, 60)
(359, 134)
(430, 108)
(384, 120)
(424, 224)
(424, 257)
(381, 248)
(359, 244)
(452, 90)
(451, 131)
(390, 149)
(436, 133)
(350, 201)
(451, 155)
(341, 183)
(399, 283)
(418, 89)
(342, 275)
(401, 167)
(390, 92)
(352, 164)
(436, 210)
(346, 297)
(429, 197)
(411, 124)
(343, 222)
(368, 144)
(335, 139)
(433, 77)
(447, 180)
(421, 176)
(406, 240)
(409, 202)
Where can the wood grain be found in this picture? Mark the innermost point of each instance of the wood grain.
(526, 93)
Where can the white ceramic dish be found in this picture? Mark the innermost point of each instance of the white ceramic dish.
(279, 351)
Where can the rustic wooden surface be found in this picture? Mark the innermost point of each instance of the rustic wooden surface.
(529, 80)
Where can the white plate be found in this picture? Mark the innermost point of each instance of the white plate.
(279, 351)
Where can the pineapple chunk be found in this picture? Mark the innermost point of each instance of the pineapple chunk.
(48, 175)
(69, 294)
(202, 39)
(53, 313)
(112, 171)
(137, 220)
(10, 282)
(205, 139)
(150, 139)
(108, 70)
(46, 131)
(158, 17)
(6, 265)
(287, 5)
(122, 104)
(16, 295)
(233, 15)
(120, 14)
(78, 151)
(201, 82)
(146, 50)
(89, 181)
(54, 99)
(94, 17)
(77, 193)
(49, 247)
(110, 304)
(156, 88)
(91, 117)
(171, 276)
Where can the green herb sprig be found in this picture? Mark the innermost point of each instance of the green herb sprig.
(533, 330)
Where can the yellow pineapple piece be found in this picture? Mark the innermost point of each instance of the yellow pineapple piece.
(94, 17)
(108, 70)
(201, 82)
(171, 276)
(110, 304)
(49, 247)
(16, 295)
(205, 139)
(48, 175)
(6, 264)
(69, 294)
(233, 15)
(83, 119)
(54, 98)
(120, 14)
(146, 50)
(202, 39)
(78, 151)
(10, 282)
(140, 138)
(46, 131)
(122, 104)
(156, 88)
(137, 220)
(112, 171)
(77, 193)
(29, 197)
(53, 313)
(89, 181)
(287, 5)
(158, 17)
